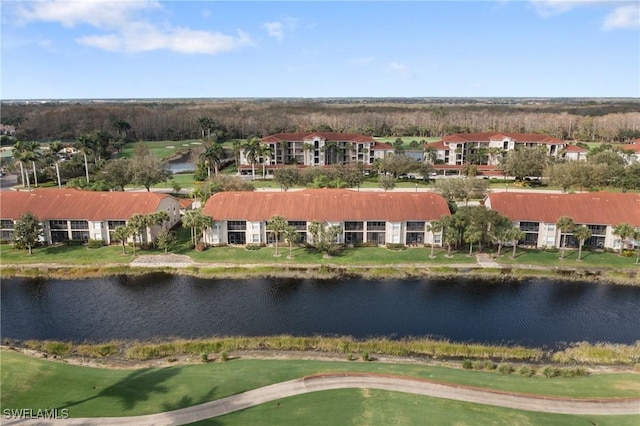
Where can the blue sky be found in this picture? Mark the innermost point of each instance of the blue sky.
(185, 49)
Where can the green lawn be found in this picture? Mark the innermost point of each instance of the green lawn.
(552, 258)
(28, 382)
(162, 149)
(378, 407)
(379, 256)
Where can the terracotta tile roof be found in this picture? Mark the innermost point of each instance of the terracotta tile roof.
(488, 136)
(437, 145)
(185, 203)
(381, 146)
(330, 136)
(633, 146)
(56, 203)
(574, 148)
(604, 208)
(326, 205)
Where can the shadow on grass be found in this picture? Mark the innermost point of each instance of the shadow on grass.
(188, 401)
(138, 386)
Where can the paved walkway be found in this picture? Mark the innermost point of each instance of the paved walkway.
(323, 382)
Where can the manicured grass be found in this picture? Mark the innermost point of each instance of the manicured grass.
(378, 407)
(161, 149)
(185, 180)
(349, 256)
(552, 258)
(35, 383)
(70, 255)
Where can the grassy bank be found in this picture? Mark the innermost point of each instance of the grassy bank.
(347, 347)
(365, 262)
(29, 382)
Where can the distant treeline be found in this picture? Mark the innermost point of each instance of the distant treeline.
(585, 120)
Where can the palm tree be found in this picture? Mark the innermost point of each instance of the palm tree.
(276, 226)
(137, 224)
(265, 152)
(291, 236)
(434, 227)
(636, 236)
(212, 155)
(25, 151)
(236, 147)
(205, 125)
(565, 224)
(121, 233)
(252, 152)
(624, 231)
(122, 128)
(197, 221)
(55, 148)
(85, 144)
(190, 220)
(514, 235)
(582, 233)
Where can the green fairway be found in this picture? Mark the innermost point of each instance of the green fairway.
(378, 407)
(28, 382)
(162, 149)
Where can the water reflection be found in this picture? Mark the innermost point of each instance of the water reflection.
(533, 313)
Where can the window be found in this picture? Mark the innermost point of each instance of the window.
(113, 224)
(395, 226)
(255, 238)
(376, 226)
(79, 224)
(529, 226)
(58, 224)
(597, 229)
(415, 226)
(97, 226)
(300, 225)
(353, 226)
(6, 224)
(236, 225)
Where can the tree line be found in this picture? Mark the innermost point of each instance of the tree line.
(234, 119)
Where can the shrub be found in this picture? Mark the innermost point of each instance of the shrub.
(490, 365)
(551, 372)
(505, 368)
(393, 246)
(200, 246)
(204, 357)
(56, 348)
(350, 357)
(478, 365)
(72, 243)
(467, 364)
(95, 244)
(526, 371)
(224, 357)
(366, 356)
(252, 247)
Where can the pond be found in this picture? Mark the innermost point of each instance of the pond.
(534, 312)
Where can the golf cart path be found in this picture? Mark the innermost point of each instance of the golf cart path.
(330, 381)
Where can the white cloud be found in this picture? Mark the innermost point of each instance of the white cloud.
(623, 17)
(398, 68)
(625, 14)
(274, 29)
(125, 31)
(277, 29)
